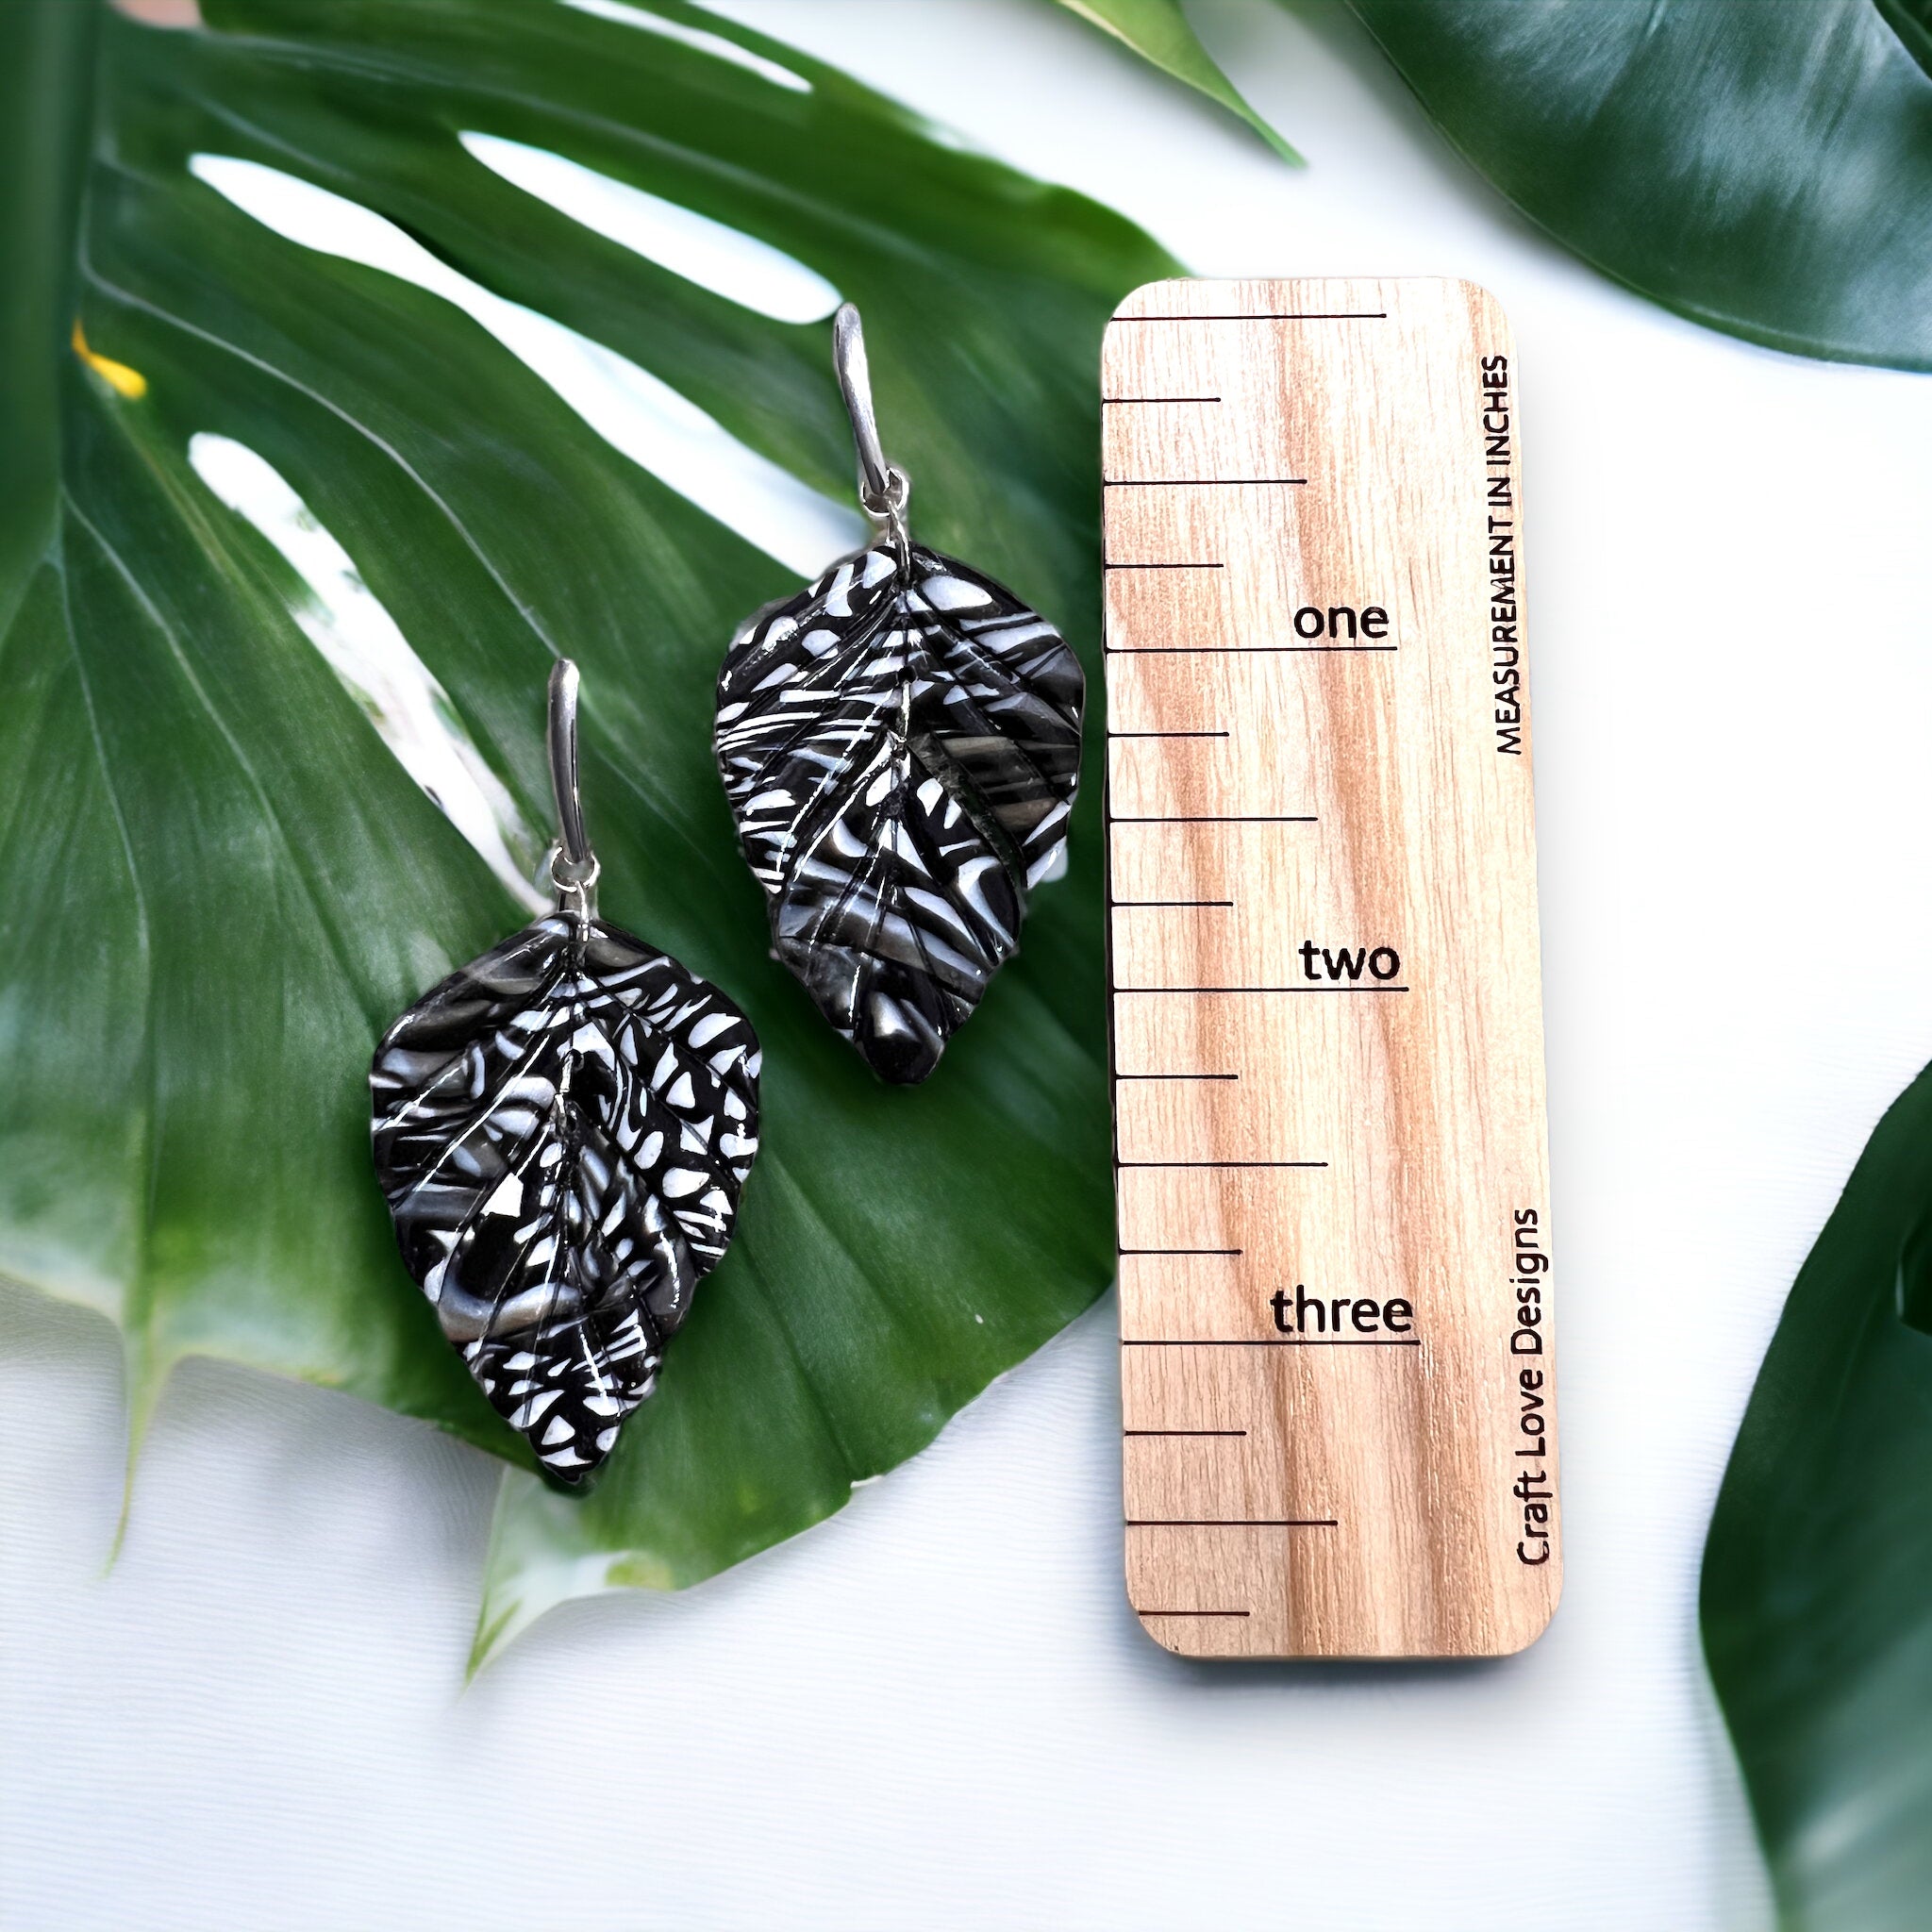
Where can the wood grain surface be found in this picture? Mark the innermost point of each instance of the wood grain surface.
(1336, 1358)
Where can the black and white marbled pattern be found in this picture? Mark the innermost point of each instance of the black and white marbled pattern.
(900, 744)
(562, 1130)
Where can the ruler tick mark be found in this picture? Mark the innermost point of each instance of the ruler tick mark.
(1199, 482)
(1139, 1612)
(1270, 1341)
(1240, 650)
(1285, 315)
(1167, 734)
(1184, 1432)
(1114, 402)
(1220, 818)
(1231, 1522)
(1177, 1250)
(1176, 1076)
(1256, 988)
(1218, 1163)
(1129, 904)
(1163, 566)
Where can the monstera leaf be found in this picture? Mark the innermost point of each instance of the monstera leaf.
(1765, 169)
(402, 348)
(1817, 1600)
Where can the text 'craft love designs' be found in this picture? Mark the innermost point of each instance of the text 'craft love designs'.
(900, 744)
(562, 1130)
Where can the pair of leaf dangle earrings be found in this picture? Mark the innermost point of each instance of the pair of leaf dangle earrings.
(563, 1128)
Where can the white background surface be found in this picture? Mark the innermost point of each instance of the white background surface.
(934, 1711)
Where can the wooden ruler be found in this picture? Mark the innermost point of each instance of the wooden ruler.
(1336, 1366)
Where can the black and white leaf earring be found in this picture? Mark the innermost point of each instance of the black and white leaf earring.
(900, 744)
(562, 1130)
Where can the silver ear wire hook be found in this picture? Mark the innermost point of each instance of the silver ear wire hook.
(883, 487)
(574, 866)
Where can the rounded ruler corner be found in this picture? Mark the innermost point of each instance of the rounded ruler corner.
(1337, 1360)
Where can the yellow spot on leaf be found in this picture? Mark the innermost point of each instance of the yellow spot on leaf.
(123, 380)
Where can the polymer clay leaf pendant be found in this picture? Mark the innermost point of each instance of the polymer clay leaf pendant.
(562, 1130)
(900, 744)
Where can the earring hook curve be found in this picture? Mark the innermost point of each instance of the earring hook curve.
(574, 866)
(883, 487)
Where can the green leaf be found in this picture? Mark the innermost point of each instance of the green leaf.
(276, 471)
(1159, 32)
(1764, 169)
(1817, 1596)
